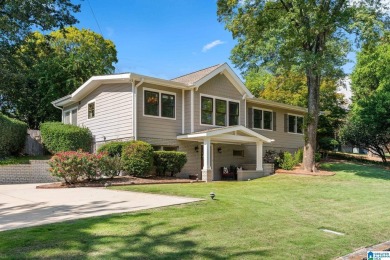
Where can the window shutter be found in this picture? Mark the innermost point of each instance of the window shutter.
(285, 123)
(274, 121)
(250, 118)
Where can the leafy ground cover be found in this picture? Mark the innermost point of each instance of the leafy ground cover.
(22, 159)
(277, 217)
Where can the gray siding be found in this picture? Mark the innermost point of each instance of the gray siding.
(283, 140)
(219, 86)
(113, 112)
(157, 127)
(187, 105)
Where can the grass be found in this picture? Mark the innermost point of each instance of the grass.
(22, 159)
(277, 217)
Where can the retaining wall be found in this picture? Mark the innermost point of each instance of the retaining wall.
(35, 172)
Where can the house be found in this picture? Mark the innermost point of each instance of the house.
(209, 114)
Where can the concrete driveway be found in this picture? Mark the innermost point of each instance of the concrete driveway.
(22, 205)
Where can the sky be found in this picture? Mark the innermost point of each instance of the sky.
(162, 38)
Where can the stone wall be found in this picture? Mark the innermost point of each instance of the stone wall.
(35, 172)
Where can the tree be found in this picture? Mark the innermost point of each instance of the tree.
(291, 89)
(368, 124)
(51, 66)
(312, 37)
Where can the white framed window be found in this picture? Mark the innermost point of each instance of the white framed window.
(294, 124)
(70, 116)
(217, 111)
(263, 119)
(91, 107)
(160, 104)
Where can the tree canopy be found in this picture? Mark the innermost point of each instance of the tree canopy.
(48, 67)
(368, 124)
(311, 37)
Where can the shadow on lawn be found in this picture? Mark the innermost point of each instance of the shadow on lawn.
(363, 170)
(144, 240)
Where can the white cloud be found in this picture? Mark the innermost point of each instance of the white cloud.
(212, 45)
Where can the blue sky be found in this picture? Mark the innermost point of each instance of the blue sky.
(161, 38)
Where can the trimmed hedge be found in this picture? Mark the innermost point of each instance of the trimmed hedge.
(113, 148)
(137, 157)
(169, 161)
(12, 135)
(59, 137)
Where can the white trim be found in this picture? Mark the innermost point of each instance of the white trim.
(94, 116)
(229, 73)
(159, 102)
(214, 109)
(192, 110)
(262, 118)
(274, 104)
(295, 126)
(220, 131)
(70, 115)
(182, 112)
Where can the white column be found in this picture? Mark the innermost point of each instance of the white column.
(259, 156)
(207, 154)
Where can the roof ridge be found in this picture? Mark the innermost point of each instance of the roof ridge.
(216, 65)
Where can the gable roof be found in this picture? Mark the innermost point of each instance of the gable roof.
(193, 77)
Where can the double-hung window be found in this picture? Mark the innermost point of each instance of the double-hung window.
(234, 113)
(70, 117)
(262, 119)
(159, 104)
(207, 110)
(91, 110)
(295, 124)
(219, 112)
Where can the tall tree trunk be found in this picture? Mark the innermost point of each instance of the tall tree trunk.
(311, 121)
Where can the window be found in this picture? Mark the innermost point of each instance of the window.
(220, 112)
(295, 124)
(167, 105)
(151, 103)
(159, 104)
(234, 112)
(262, 119)
(238, 153)
(207, 110)
(70, 117)
(91, 110)
(164, 148)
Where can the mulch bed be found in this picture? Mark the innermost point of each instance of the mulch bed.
(298, 170)
(118, 181)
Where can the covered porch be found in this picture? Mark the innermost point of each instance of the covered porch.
(212, 139)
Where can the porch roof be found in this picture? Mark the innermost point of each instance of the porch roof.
(228, 134)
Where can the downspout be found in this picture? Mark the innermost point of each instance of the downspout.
(135, 87)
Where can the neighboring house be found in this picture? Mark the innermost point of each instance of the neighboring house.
(209, 114)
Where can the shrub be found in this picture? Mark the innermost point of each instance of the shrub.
(169, 161)
(288, 161)
(109, 166)
(317, 157)
(270, 156)
(74, 166)
(327, 143)
(113, 148)
(12, 135)
(59, 137)
(298, 156)
(137, 157)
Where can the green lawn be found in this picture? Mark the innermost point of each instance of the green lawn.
(277, 217)
(22, 159)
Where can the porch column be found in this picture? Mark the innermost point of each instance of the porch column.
(259, 156)
(207, 172)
